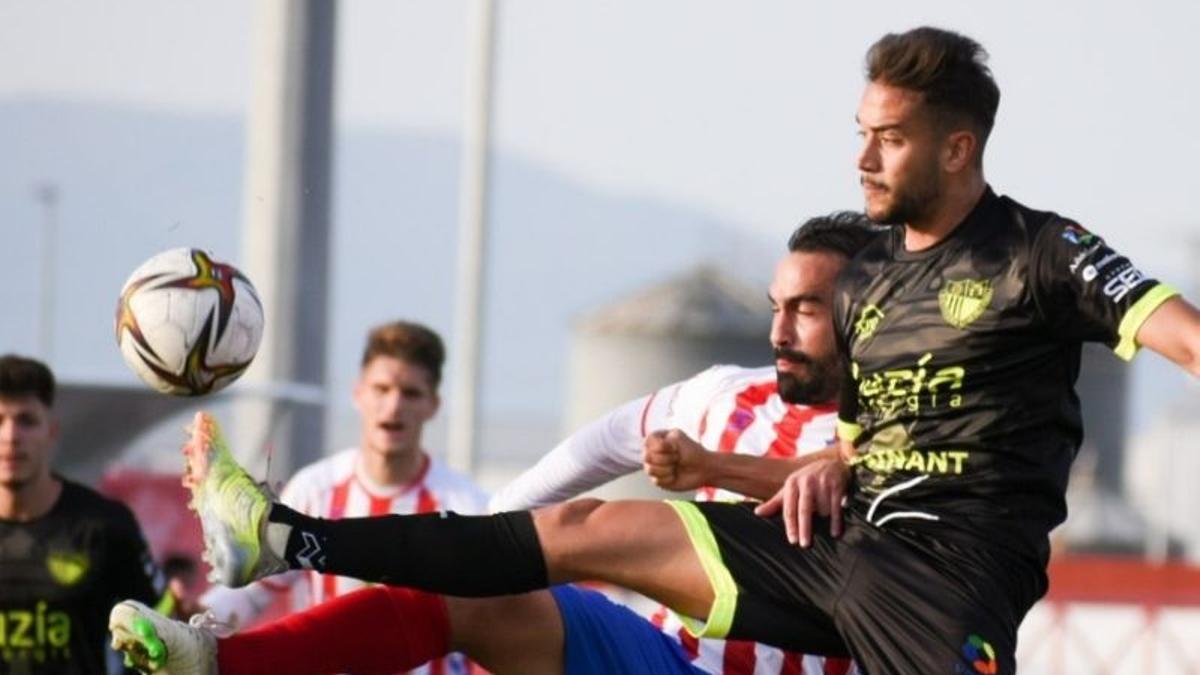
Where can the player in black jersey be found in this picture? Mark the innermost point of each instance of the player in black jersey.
(961, 333)
(66, 552)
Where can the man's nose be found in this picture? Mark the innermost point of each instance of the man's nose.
(782, 334)
(868, 156)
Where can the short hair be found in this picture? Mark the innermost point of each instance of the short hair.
(21, 376)
(949, 69)
(843, 233)
(409, 342)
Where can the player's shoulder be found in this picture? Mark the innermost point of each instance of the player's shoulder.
(865, 265)
(441, 474)
(78, 495)
(322, 474)
(1039, 227)
(729, 376)
(80, 500)
(446, 482)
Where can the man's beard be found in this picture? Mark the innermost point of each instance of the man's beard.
(911, 203)
(819, 387)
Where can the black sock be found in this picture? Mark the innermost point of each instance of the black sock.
(467, 556)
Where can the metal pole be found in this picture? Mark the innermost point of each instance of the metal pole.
(472, 241)
(47, 195)
(288, 192)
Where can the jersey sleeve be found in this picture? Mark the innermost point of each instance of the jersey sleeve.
(1088, 291)
(848, 428)
(609, 447)
(602, 450)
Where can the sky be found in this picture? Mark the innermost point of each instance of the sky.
(744, 108)
(744, 111)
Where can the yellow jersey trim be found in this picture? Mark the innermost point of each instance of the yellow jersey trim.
(848, 431)
(1136, 315)
(725, 591)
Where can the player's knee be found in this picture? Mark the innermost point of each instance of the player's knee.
(566, 516)
(471, 621)
(563, 530)
(513, 633)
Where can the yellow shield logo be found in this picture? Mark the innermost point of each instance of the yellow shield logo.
(964, 300)
(67, 568)
(868, 321)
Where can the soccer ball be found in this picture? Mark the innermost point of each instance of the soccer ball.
(187, 324)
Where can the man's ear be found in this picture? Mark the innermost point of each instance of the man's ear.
(959, 151)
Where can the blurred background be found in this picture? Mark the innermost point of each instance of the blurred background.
(622, 160)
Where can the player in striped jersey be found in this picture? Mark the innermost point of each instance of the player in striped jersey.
(388, 473)
(755, 420)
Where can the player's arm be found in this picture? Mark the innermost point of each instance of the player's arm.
(676, 462)
(601, 451)
(1173, 330)
(815, 489)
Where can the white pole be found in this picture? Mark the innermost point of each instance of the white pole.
(47, 195)
(286, 222)
(472, 240)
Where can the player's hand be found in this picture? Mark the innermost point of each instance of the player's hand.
(817, 488)
(673, 461)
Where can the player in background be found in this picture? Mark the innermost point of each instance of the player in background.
(755, 420)
(922, 541)
(389, 471)
(66, 552)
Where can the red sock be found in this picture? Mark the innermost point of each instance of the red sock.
(381, 629)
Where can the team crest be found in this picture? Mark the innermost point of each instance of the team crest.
(964, 300)
(66, 567)
(868, 321)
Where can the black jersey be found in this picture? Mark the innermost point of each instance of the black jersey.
(59, 577)
(964, 358)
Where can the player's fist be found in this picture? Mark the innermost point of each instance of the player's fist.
(673, 461)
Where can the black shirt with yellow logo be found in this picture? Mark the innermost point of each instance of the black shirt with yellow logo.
(963, 360)
(59, 577)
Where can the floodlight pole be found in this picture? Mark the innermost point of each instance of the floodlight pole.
(46, 194)
(472, 241)
(288, 190)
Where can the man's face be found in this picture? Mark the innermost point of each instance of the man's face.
(27, 432)
(394, 398)
(899, 164)
(806, 360)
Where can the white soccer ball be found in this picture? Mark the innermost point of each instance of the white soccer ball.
(187, 324)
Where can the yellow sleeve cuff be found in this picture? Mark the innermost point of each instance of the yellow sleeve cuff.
(848, 431)
(1136, 315)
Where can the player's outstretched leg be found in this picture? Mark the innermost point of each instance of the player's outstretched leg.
(249, 537)
(152, 643)
(232, 507)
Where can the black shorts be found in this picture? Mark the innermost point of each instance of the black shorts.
(896, 601)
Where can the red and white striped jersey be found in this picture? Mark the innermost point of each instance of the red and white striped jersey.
(336, 487)
(738, 410)
(725, 408)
